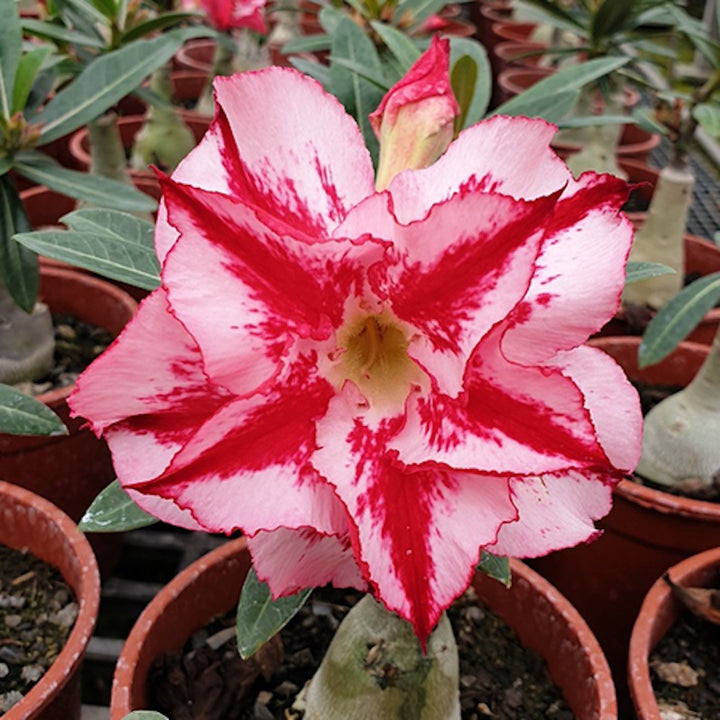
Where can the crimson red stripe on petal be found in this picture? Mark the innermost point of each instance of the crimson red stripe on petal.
(291, 560)
(462, 269)
(247, 466)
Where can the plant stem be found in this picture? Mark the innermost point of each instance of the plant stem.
(107, 154)
(27, 342)
(680, 437)
(375, 669)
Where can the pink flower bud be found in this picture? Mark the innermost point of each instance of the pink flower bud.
(414, 121)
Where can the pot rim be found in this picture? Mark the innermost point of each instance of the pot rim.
(86, 588)
(660, 609)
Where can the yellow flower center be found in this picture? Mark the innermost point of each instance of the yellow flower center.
(374, 356)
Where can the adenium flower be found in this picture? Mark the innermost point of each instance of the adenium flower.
(372, 386)
(414, 121)
(226, 15)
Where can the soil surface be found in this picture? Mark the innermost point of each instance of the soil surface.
(37, 613)
(685, 670)
(499, 678)
(77, 344)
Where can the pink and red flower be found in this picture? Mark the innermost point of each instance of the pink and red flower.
(373, 386)
(226, 15)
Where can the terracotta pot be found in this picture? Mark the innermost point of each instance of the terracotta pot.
(129, 127)
(509, 31)
(485, 15)
(29, 521)
(70, 470)
(543, 619)
(659, 612)
(702, 257)
(517, 54)
(646, 531)
(196, 55)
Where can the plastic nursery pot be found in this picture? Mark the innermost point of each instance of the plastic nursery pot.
(28, 521)
(702, 257)
(70, 470)
(659, 612)
(646, 531)
(129, 126)
(542, 618)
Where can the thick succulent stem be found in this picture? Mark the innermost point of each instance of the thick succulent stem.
(164, 139)
(680, 437)
(661, 238)
(107, 154)
(375, 669)
(26, 341)
(222, 65)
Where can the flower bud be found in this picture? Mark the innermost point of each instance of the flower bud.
(414, 121)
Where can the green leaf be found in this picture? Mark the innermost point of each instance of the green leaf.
(552, 13)
(103, 83)
(708, 116)
(113, 244)
(23, 415)
(88, 10)
(307, 44)
(315, 70)
(18, 266)
(678, 318)
(464, 49)
(359, 96)
(259, 617)
(418, 10)
(10, 52)
(93, 189)
(27, 71)
(611, 17)
(399, 44)
(43, 29)
(114, 511)
(496, 567)
(145, 715)
(161, 22)
(636, 271)
(538, 100)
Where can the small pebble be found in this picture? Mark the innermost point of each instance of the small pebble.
(12, 621)
(32, 673)
(65, 617)
(11, 601)
(11, 655)
(7, 700)
(65, 332)
(4, 670)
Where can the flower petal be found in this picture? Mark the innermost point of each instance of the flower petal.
(580, 272)
(555, 512)
(611, 400)
(282, 162)
(246, 293)
(147, 393)
(418, 530)
(460, 271)
(508, 156)
(291, 560)
(512, 420)
(247, 466)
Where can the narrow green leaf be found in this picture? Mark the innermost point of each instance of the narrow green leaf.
(88, 10)
(611, 17)
(677, 318)
(559, 85)
(93, 189)
(552, 108)
(555, 14)
(18, 265)
(418, 10)
(145, 715)
(307, 44)
(161, 22)
(496, 567)
(463, 78)
(359, 96)
(103, 82)
(315, 70)
(113, 244)
(27, 71)
(23, 415)
(114, 511)
(708, 116)
(399, 44)
(50, 31)
(636, 271)
(259, 617)
(10, 52)
(461, 48)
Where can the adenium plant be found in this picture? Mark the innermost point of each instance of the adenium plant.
(374, 385)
